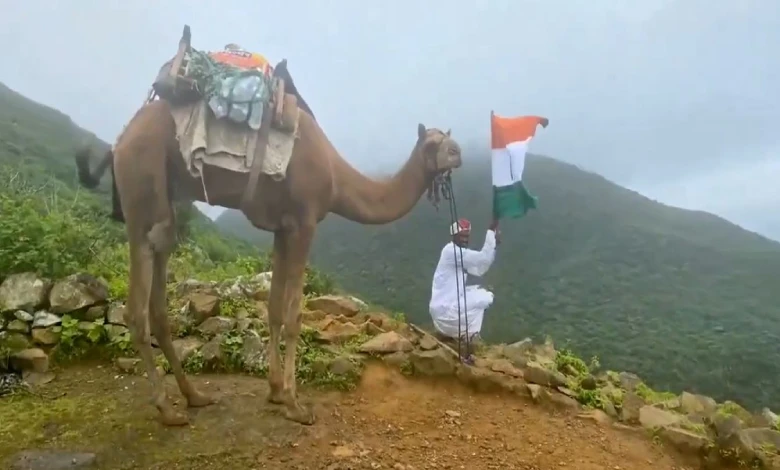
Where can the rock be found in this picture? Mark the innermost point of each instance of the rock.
(436, 362)
(765, 419)
(651, 417)
(36, 379)
(14, 341)
(23, 316)
(726, 427)
(692, 404)
(52, 460)
(115, 331)
(46, 336)
(505, 367)
(2, 323)
(253, 353)
(562, 401)
(396, 359)
(334, 305)
(730, 408)
(186, 347)
(537, 374)
(628, 381)
(260, 286)
(25, 291)
(632, 403)
(386, 343)
(371, 329)
(339, 333)
(18, 326)
(213, 357)
(75, 292)
(343, 452)
(588, 383)
(684, 440)
(343, 366)
(95, 312)
(127, 365)
(203, 306)
(216, 325)
(31, 359)
(43, 319)
(193, 285)
(116, 314)
(545, 354)
(597, 416)
(313, 316)
(428, 342)
(518, 353)
(752, 443)
(261, 311)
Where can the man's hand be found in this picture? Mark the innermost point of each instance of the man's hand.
(493, 225)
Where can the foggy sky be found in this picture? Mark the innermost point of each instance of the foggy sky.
(677, 99)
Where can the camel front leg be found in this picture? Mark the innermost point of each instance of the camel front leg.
(298, 243)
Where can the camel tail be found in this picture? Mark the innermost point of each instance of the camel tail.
(91, 180)
(87, 178)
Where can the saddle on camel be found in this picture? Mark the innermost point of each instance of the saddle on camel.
(227, 129)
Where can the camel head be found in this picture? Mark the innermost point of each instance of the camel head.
(440, 151)
(441, 155)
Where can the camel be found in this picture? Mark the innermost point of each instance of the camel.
(149, 174)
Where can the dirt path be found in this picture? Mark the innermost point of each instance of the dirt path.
(390, 422)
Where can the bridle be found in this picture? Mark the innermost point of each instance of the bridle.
(440, 187)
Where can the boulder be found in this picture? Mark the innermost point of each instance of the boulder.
(334, 305)
(23, 316)
(216, 325)
(44, 319)
(651, 417)
(386, 343)
(76, 292)
(628, 381)
(186, 347)
(685, 440)
(116, 314)
(537, 374)
(436, 362)
(202, 306)
(24, 291)
(31, 359)
(213, 357)
(693, 404)
(48, 336)
(428, 342)
(339, 333)
(18, 326)
(254, 353)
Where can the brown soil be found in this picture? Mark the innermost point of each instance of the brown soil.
(389, 422)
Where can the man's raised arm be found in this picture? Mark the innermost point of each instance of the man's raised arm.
(476, 262)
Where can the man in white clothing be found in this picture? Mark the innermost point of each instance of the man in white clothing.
(449, 283)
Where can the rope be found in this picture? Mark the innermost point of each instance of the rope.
(449, 194)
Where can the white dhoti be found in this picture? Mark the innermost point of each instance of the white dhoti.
(472, 312)
(449, 280)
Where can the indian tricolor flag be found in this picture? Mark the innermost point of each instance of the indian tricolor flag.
(510, 138)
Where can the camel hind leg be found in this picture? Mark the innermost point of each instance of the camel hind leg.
(295, 255)
(138, 311)
(159, 319)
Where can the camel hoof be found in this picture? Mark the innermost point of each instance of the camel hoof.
(300, 414)
(174, 418)
(199, 399)
(275, 397)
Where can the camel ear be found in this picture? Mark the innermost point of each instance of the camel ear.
(421, 131)
(448, 132)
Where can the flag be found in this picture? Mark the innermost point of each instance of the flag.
(509, 141)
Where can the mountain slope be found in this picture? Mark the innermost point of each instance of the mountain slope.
(684, 298)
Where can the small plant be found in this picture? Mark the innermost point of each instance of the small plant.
(232, 306)
(231, 345)
(651, 396)
(194, 364)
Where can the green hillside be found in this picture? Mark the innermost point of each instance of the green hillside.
(683, 298)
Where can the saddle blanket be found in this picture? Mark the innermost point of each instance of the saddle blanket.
(206, 140)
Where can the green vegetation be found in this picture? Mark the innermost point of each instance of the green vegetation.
(685, 299)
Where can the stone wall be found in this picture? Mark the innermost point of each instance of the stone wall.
(223, 326)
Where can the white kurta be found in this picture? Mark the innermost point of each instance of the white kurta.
(446, 285)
